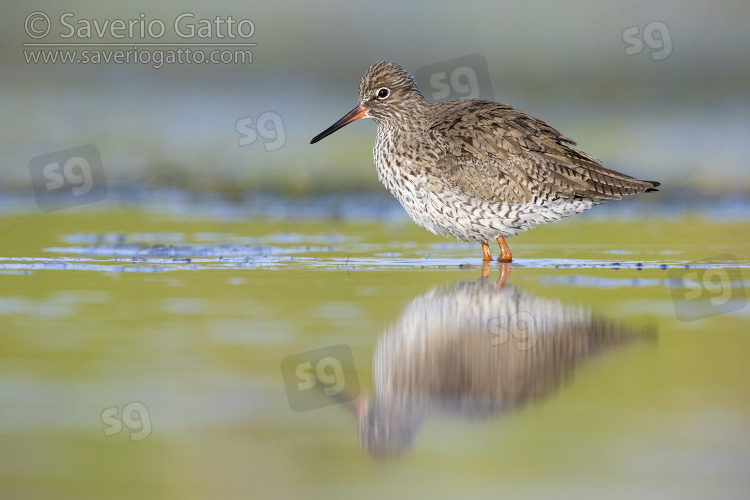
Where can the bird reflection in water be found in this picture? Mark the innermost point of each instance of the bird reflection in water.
(474, 350)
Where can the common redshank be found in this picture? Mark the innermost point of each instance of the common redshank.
(476, 170)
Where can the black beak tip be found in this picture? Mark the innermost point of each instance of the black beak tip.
(321, 136)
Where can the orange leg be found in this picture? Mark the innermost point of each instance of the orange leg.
(505, 255)
(486, 251)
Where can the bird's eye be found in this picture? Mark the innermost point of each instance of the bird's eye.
(383, 93)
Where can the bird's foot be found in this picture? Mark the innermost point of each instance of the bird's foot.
(505, 255)
(486, 252)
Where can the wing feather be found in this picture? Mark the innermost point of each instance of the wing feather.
(502, 154)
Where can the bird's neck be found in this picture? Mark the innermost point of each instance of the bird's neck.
(411, 117)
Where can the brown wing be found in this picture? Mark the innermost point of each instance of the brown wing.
(500, 153)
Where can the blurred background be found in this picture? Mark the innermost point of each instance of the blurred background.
(189, 311)
(659, 90)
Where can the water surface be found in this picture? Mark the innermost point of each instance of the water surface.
(167, 354)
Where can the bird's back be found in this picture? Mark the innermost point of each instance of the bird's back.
(503, 154)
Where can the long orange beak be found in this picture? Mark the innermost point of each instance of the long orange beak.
(355, 114)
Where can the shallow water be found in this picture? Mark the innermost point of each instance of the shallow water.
(169, 354)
